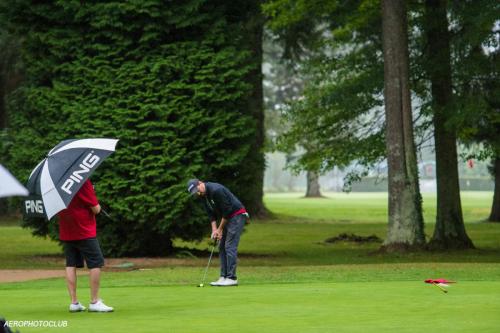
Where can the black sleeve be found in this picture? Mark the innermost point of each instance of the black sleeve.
(223, 202)
(210, 212)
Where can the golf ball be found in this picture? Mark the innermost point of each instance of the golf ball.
(201, 284)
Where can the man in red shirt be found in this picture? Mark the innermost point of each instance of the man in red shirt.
(77, 230)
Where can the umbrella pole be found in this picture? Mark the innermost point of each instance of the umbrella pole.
(442, 289)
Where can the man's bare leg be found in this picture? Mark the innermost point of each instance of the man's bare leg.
(95, 276)
(71, 282)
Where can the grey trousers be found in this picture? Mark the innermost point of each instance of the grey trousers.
(228, 246)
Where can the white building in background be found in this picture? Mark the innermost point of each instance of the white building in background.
(279, 179)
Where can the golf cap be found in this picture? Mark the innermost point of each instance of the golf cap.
(192, 186)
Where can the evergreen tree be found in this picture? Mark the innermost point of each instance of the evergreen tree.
(170, 80)
(249, 180)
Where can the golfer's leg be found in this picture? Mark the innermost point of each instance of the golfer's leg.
(95, 276)
(222, 255)
(234, 230)
(95, 260)
(74, 259)
(71, 282)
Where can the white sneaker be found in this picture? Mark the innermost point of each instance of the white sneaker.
(228, 283)
(76, 307)
(99, 306)
(218, 282)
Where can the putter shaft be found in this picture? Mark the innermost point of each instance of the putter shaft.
(208, 264)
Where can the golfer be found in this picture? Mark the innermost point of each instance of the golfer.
(77, 230)
(221, 204)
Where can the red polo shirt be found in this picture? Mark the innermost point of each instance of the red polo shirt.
(77, 221)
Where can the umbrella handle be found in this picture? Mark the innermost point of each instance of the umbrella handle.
(106, 214)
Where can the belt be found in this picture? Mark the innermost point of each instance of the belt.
(239, 212)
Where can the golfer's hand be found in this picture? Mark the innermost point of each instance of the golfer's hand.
(218, 234)
(214, 234)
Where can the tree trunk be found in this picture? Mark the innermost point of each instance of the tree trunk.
(3, 203)
(406, 227)
(3, 112)
(313, 185)
(495, 208)
(254, 164)
(449, 232)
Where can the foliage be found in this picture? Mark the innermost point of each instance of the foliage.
(477, 74)
(474, 48)
(165, 79)
(339, 118)
(340, 110)
(352, 131)
(282, 84)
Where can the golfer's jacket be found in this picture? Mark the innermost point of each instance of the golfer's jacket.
(220, 202)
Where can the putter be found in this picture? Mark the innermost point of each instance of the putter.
(442, 289)
(202, 284)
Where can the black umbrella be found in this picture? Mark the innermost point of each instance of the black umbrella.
(59, 176)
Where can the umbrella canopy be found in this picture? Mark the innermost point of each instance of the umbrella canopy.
(59, 176)
(9, 186)
(438, 281)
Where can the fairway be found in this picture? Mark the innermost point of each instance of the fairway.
(290, 279)
(360, 207)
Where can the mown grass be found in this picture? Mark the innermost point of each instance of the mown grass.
(19, 249)
(290, 279)
(358, 207)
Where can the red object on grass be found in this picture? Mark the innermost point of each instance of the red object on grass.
(438, 281)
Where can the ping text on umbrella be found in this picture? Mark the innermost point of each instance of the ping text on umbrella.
(87, 164)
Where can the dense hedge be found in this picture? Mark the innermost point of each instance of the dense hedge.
(167, 78)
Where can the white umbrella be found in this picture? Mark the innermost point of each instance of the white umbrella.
(9, 186)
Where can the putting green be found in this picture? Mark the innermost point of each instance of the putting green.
(409, 306)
